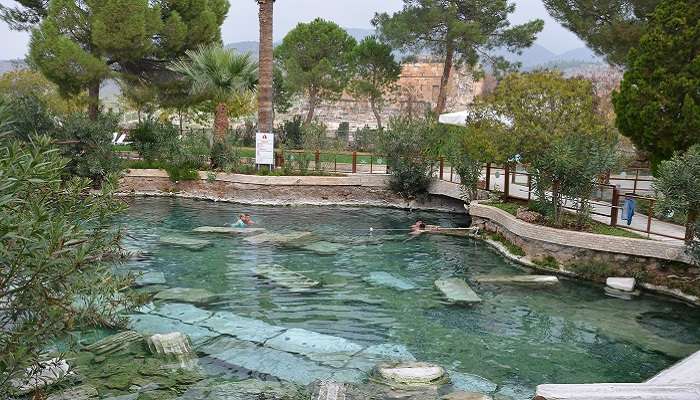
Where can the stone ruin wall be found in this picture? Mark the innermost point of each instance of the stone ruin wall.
(417, 91)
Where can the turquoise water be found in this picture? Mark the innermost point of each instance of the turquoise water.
(518, 337)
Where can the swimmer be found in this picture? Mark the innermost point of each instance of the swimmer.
(418, 228)
(244, 221)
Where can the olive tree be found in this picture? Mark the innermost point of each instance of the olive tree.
(678, 187)
(56, 253)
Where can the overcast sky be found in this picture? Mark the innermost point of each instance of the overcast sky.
(242, 21)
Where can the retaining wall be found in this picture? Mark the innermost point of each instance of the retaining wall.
(351, 190)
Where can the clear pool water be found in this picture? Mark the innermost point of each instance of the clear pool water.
(518, 337)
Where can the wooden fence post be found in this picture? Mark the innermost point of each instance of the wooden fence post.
(442, 168)
(354, 162)
(317, 160)
(506, 180)
(488, 177)
(615, 203)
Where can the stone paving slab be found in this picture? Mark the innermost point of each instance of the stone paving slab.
(457, 291)
(280, 364)
(186, 313)
(186, 295)
(242, 328)
(471, 383)
(381, 278)
(227, 230)
(286, 278)
(149, 278)
(184, 242)
(243, 390)
(328, 349)
(324, 248)
(280, 238)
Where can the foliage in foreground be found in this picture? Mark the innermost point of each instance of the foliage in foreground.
(658, 105)
(677, 186)
(56, 240)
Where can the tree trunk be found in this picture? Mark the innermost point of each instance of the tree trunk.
(447, 70)
(179, 119)
(312, 106)
(94, 100)
(375, 110)
(690, 226)
(265, 116)
(220, 122)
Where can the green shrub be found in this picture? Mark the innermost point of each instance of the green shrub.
(364, 139)
(179, 173)
(291, 133)
(694, 246)
(547, 262)
(343, 132)
(153, 139)
(405, 143)
(30, 116)
(88, 145)
(596, 271)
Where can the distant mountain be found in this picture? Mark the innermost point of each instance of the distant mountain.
(251, 47)
(11, 65)
(538, 56)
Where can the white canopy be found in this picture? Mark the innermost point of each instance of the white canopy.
(456, 118)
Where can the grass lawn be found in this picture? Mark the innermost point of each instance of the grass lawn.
(599, 228)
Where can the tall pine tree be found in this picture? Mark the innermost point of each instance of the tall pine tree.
(79, 44)
(457, 31)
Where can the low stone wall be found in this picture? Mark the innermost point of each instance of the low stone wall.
(567, 246)
(625, 256)
(352, 190)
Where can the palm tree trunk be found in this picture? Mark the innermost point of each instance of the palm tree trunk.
(265, 116)
(220, 122)
(447, 70)
(94, 100)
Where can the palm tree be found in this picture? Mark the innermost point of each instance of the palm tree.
(265, 16)
(219, 75)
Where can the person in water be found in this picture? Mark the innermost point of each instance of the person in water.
(244, 221)
(418, 228)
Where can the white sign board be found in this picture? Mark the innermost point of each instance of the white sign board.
(265, 148)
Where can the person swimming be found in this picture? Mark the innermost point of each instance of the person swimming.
(244, 221)
(418, 228)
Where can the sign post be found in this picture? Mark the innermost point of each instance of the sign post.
(265, 149)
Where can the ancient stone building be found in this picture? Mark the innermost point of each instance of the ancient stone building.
(417, 91)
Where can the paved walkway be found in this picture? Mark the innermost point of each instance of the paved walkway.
(519, 190)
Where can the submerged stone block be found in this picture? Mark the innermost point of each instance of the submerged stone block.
(184, 242)
(471, 383)
(153, 324)
(186, 313)
(186, 295)
(457, 291)
(269, 361)
(115, 343)
(227, 230)
(291, 238)
(621, 294)
(622, 284)
(373, 355)
(330, 350)
(519, 279)
(328, 390)
(82, 392)
(241, 328)
(285, 278)
(386, 279)
(171, 344)
(411, 373)
(242, 390)
(324, 248)
(149, 278)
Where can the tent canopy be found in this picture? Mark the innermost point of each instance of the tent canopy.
(456, 118)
